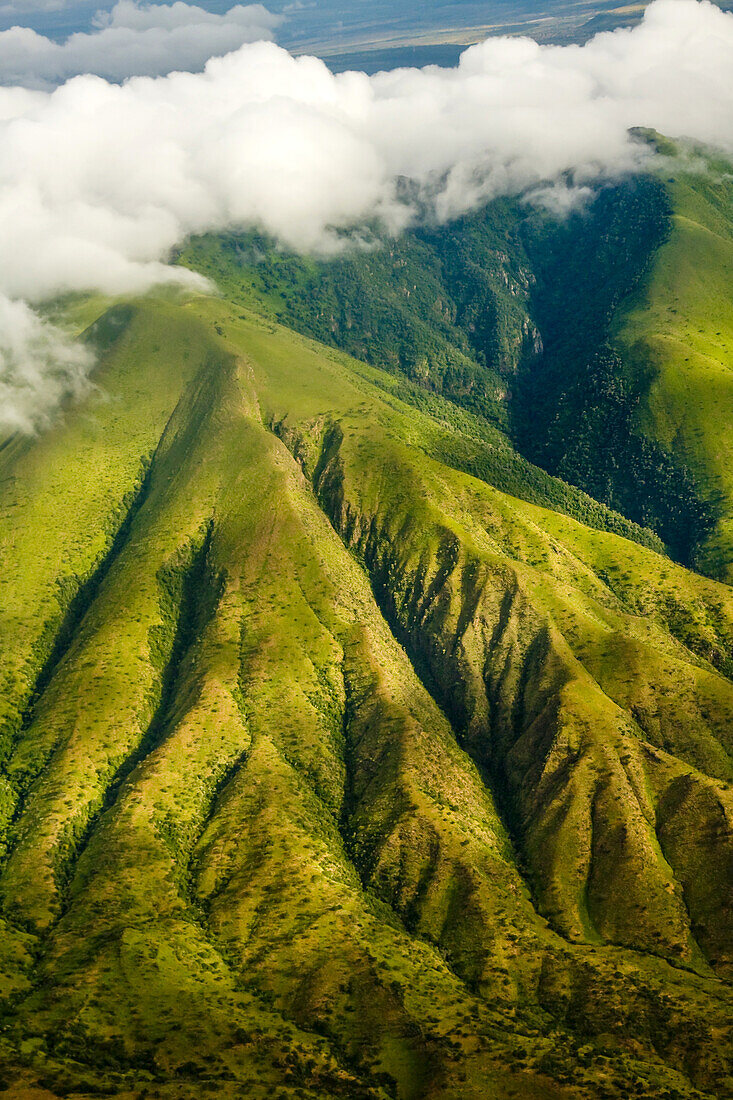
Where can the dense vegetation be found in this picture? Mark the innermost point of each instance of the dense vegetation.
(334, 771)
(575, 408)
(678, 330)
(387, 304)
(345, 750)
(514, 315)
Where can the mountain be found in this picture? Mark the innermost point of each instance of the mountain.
(601, 342)
(347, 750)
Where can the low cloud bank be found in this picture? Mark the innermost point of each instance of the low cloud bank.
(99, 181)
(132, 40)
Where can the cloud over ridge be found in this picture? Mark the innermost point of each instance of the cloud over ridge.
(98, 181)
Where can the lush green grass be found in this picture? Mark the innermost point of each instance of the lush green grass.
(519, 535)
(347, 773)
(465, 441)
(66, 494)
(345, 751)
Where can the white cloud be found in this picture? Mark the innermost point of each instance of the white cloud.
(132, 40)
(99, 181)
(39, 367)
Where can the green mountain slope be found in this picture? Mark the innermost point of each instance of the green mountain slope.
(337, 762)
(680, 328)
(599, 343)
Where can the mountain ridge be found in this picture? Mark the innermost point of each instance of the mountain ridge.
(391, 671)
(545, 328)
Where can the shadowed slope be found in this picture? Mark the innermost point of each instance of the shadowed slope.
(680, 330)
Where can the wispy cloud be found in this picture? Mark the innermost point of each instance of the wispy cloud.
(39, 367)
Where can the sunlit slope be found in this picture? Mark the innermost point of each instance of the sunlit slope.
(681, 327)
(527, 624)
(345, 773)
(65, 496)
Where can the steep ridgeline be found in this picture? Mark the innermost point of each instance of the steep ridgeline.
(601, 342)
(331, 770)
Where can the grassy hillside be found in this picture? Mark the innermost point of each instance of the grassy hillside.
(599, 343)
(333, 769)
(388, 304)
